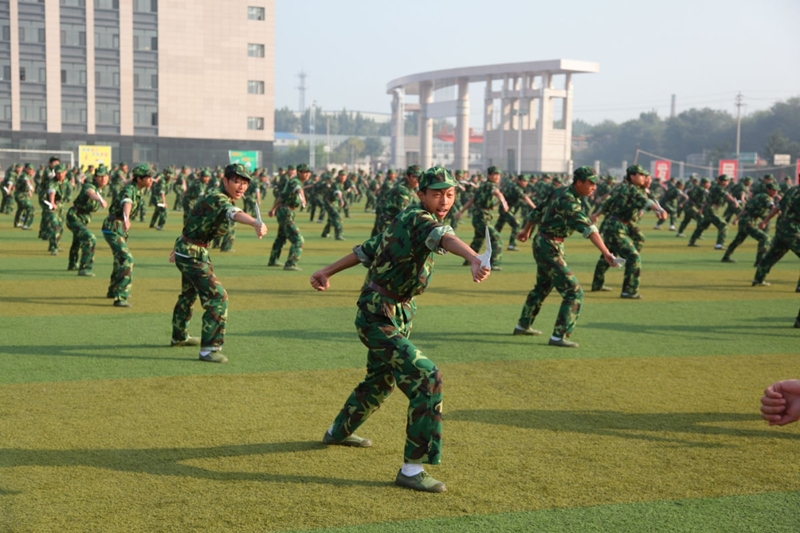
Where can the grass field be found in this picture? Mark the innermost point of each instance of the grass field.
(651, 425)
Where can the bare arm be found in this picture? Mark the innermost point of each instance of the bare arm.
(597, 240)
(320, 279)
(454, 245)
(244, 218)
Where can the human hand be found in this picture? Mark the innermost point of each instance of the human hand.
(762, 226)
(780, 404)
(172, 257)
(479, 273)
(522, 236)
(271, 213)
(261, 229)
(320, 281)
(609, 258)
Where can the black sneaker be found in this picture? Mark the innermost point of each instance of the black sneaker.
(353, 441)
(728, 260)
(423, 482)
(122, 303)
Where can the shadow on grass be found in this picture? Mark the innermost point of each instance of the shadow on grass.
(640, 426)
(4, 492)
(71, 301)
(168, 462)
(697, 331)
(430, 338)
(107, 351)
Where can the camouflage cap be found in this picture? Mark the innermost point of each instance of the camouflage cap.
(493, 170)
(60, 168)
(610, 178)
(168, 172)
(414, 170)
(205, 173)
(290, 167)
(101, 170)
(437, 178)
(459, 173)
(556, 180)
(236, 169)
(142, 171)
(723, 177)
(523, 177)
(636, 169)
(705, 180)
(302, 167)
(767, 177)
(770, 186)
(747, 179)
(391, 171)
(54, 159)
(584, 173)
(28, 166)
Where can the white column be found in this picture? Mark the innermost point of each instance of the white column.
(461, 160)
(505, 112)
(567, 114)
(126, 67)
(90, 70)
(15, 104)
(398, 129)
(488, 111)
(425, 125)
(52, 54)
(545, 123)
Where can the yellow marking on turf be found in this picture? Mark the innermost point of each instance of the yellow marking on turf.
(243, 452)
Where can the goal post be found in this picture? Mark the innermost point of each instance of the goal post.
(9, 156)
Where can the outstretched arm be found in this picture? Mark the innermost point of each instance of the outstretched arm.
(320, 279)
(454, 245)
(780, 404)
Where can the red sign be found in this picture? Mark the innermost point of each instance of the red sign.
(729, 167)
(796, 179)
(661, 170)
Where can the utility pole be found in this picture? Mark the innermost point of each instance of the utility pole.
(739, 104)
(302, 88)
(327, 141)
(311, 151)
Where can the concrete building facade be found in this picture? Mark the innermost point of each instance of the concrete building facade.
(169, 82)
(527, 116)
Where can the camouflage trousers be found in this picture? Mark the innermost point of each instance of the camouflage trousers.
(393, 360)
(671, 210)
(225, 243)
(25, 212)
(480, 221)
(508, 218)
(749, 229)
(52, 228)
(198, 279)
(159, 217)
(5, 206)
(334, 221)
(119, 286)
(619, 243)
(689, 214)
(707, 220)
(287, 231)
(552, 271)
(81, 253)
(786, 239)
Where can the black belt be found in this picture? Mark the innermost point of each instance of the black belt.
(383, 292)
(551, 237)
(196, 243)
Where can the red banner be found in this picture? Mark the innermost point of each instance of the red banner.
(729, 167)
(661, 170)
(796, 179)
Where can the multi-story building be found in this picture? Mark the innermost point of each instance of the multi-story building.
(169, 82)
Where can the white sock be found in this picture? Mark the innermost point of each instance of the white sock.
(554, 338)
(330, 430)
(411, 469)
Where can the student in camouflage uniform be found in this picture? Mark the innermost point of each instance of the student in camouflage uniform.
(758, 207)
(400, 263)
(196, 190)
(334, 202)
(179, 188)
(670, 204)
(89, 200)
(514, 193)
(380, 198)
(7, 186)
(115, 231)
(210, 218)
(740, 192)
(292, 197)
(717, 195)
(158, 193)
(562, 215)
(621, 209)
(486, 198)
(787, 235)
(119, 179)
(23, 192)
(696, 197)
(400, 196)
(52, 198)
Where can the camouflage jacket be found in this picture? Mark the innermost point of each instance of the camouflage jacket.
(625, 202)
(484, 197)
(400, 260)
(562, 215)
(513, 194)
(398, 198)
(290, 195)
(197, 189)
(757, 207)
(129, 194)
(160, 187)
(23, 187)
(697, 196)
(83, 204)
(716, 197)
(211, 217)
(789, 219)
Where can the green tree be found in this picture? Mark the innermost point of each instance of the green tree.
(286, 121)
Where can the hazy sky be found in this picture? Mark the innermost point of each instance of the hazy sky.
(703, 51)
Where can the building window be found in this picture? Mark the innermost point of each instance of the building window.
(5, 30)
(31, 31)
(106, 4)
(5, 109)
(73, 112)
(73, 35)
(73, 3)
(106, 76)
(145, 115)
(145, 6)
(107, 114)
(5, 70)
(255, 123)
(145, 40)
(32, 110)
(32, 71)
(73, 74)
(255, 13)
(145, 78)
(255, 50)
(106, 37)
(255, 87)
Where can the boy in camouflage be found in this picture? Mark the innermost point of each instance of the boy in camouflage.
(757, 207)
(292, 197)
(52, 198)
(23, 192)
(81, 253)
(210, 217)
(400, 263)
(115, 231)
(486, 198)
(562, 215)
(787, 235)
(709, 213)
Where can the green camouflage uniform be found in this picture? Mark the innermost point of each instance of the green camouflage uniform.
(787, 235)
(333, 208)
(380, 199)
(211, 217)
(81, 253)
(697, 197)
(119, 286)
(756, 208)
(562, 215)
(195, 191)
(513, 194)
(396, 200)
(52, 219)
(22, 195)
(484, 202)
(160, 187)
(714, 200)
(287, 228)
(621, 209)
(8, 193)
(669, 202)
(400, 263)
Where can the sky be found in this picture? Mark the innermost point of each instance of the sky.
(703, 51)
